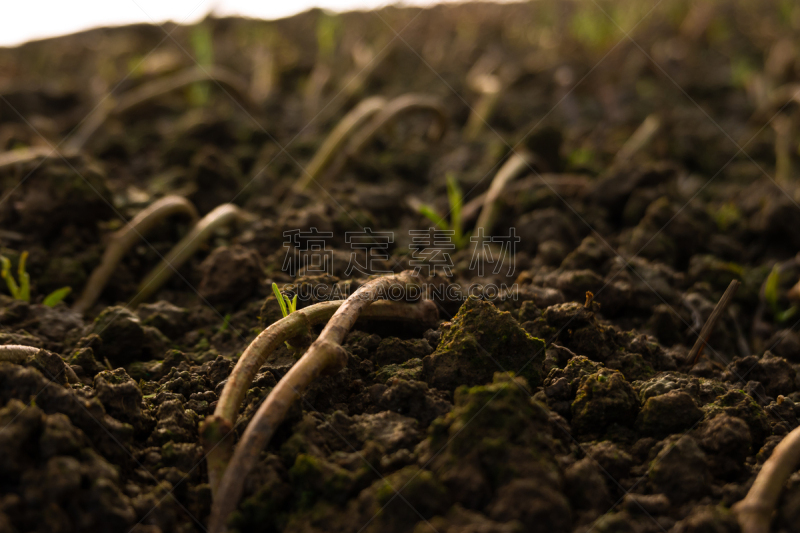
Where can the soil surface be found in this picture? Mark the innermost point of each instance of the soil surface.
(527, 412)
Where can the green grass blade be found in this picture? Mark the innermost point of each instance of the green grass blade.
(55, 297)
(433, 216)
(771, 289)
(279, 297)
(293, 306)
(24, 279)
(6, 275)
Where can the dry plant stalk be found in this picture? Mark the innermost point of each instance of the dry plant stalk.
(154, 89)
(325, 355)
(389, 112)
(181, 252)
(639, 139)
(216, 430)
(353, 120)
(708, 328)
(25, 155)
(517, 163)
(754, 512)
(124, 239)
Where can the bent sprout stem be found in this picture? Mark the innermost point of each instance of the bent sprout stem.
(353, 120)
(754, 512)
(216, 429)
(181, 252)
(325, 355)
(159, 87)
(124, 239)
(389, 112)
(398, 106)
(517, 163)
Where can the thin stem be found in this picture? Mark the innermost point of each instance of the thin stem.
(16, 353)
(324, 356)
(217, 428)
(490, 88)
(181, 252)
(517, 163)
(353, 120)
(398, 106)
(154, 89)
(124, 239)
(640, 138)
(25, 155)
(708, 328)
(754, 512)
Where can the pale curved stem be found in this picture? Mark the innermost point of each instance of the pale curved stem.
(156, 88)
(402, 104)
(353, 120)
(490, 88)
(325, 355)
(218, 426)
(754, 512)
(639, 139)
(124, 239)
(516, 164)
(16, 353)
(25, 155)
(181, 252)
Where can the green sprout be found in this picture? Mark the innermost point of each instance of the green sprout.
(203, 47)
(455, 199)
(287, 306)
(771, 287)
(22, 290)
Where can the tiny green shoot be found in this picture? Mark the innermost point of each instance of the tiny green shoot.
(771, 287)
(455, 198)
(22, 290)
(288, 305)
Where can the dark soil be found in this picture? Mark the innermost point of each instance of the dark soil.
(530, 412)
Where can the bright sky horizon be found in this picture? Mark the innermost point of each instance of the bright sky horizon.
(31, 20)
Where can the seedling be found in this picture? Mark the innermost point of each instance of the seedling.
(771, 288)
(359, 127)
(126, 238)
(288, 306)
(22, 290)
(455, 199)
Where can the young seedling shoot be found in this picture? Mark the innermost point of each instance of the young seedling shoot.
(517, 163)
(325, 356)
(755, 511)
(455, 200)
(221, 215)
(334, 142)
(22, 290)
(126, 238)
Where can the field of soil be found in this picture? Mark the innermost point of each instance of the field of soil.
(656, 154)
